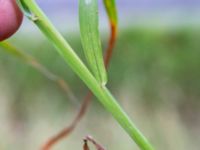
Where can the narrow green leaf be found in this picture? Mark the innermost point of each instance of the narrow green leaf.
(111, 9)
(88, 15)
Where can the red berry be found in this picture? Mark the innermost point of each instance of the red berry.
(10, 18)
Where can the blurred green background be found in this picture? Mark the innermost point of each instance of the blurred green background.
(154, 74)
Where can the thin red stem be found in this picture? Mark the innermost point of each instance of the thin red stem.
(111, 44)
(66, 131)
(85, 105)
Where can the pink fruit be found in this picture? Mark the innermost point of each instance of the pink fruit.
(10, 18)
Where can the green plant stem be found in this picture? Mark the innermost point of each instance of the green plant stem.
(101, 92)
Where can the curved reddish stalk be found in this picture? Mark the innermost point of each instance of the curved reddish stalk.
(84, 106)
(62, 134)
(111, 44)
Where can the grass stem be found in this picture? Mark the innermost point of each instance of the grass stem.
(101, 92)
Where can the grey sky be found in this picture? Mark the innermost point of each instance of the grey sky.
(131, 12)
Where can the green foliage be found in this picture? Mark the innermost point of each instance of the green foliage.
(88, 16)
(100, 91)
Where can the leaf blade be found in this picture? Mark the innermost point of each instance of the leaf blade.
(111, 9)
(90, 37)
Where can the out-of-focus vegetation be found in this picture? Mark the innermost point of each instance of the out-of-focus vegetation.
(154, 73)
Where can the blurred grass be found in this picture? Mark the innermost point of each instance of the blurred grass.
(154, 72)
